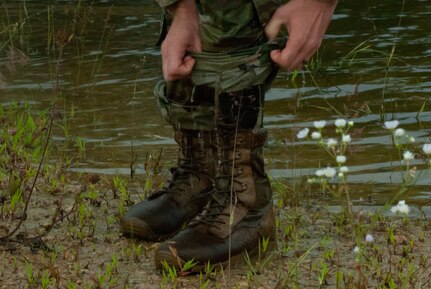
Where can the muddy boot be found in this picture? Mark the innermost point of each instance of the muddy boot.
(239, 213)
(165, 212)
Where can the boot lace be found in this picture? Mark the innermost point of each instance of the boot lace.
(226, 183)
(191, 162)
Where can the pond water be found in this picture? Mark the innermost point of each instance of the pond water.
(374, 65)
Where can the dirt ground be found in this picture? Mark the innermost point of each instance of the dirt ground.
(65, 243)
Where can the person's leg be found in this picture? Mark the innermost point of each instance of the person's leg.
(239, 213)
(166, 211)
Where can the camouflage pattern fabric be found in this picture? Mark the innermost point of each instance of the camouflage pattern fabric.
(229, 24)
(180, 101)
(235, 57)
(235, 70)
(184, 113)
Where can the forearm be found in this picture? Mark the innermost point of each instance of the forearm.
(182, 37)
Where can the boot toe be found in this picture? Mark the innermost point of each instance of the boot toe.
(136, 228)
(153, 219)
(167, 254)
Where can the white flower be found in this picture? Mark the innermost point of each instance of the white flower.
(340, 175)
(391, 124)
(326, 172)
(331, 142)
(399, 132)
(356, 250)
(320, 173)
(340, 122)
(408, 156)
(316, 135)
(302, 133)
(346, 138)
(412, 139)
(404, 209)
(319, 124)
(401, 207)
(427, 148)
(344, 169)
(350, 123)
(329, 172)
(369, 238)
(341, 159)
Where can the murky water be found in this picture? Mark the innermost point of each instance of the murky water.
(374, 65)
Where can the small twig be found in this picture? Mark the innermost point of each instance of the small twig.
(61, 42)
(157, 163)
(11, 233)
(55, 219)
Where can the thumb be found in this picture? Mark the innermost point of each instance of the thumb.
(181, 71)
(188, 64)
(276, 56)
(273, 27)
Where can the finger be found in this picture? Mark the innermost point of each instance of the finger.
(273, 27)
(171, 61)
(286, 64)
(306, 52)
(282, 60)
(276, 57)
(186, 67)
(181, 71)
(285, 57)
(299, 48)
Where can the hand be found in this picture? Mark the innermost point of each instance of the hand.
(306, 22)
(183, 36)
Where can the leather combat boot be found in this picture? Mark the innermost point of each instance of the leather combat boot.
(239, 213)
(166, 211)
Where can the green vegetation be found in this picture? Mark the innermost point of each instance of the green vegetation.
(319, 248)
(60, 230)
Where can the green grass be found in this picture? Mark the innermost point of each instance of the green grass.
(61, 231)
(76, 243)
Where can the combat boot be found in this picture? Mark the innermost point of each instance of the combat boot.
(239, 214)
(166, 211)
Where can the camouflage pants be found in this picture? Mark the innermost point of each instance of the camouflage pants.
(217, 80)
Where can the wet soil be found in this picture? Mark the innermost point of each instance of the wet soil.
(68, 244)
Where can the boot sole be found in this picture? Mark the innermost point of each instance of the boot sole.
(171, 258)
(137, 229)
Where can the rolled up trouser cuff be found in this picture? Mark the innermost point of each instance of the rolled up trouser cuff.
(236, 70)
(184, 115)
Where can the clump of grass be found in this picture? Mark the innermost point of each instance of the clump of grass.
(23, 141)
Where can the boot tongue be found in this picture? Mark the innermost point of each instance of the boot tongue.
(220, 200)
